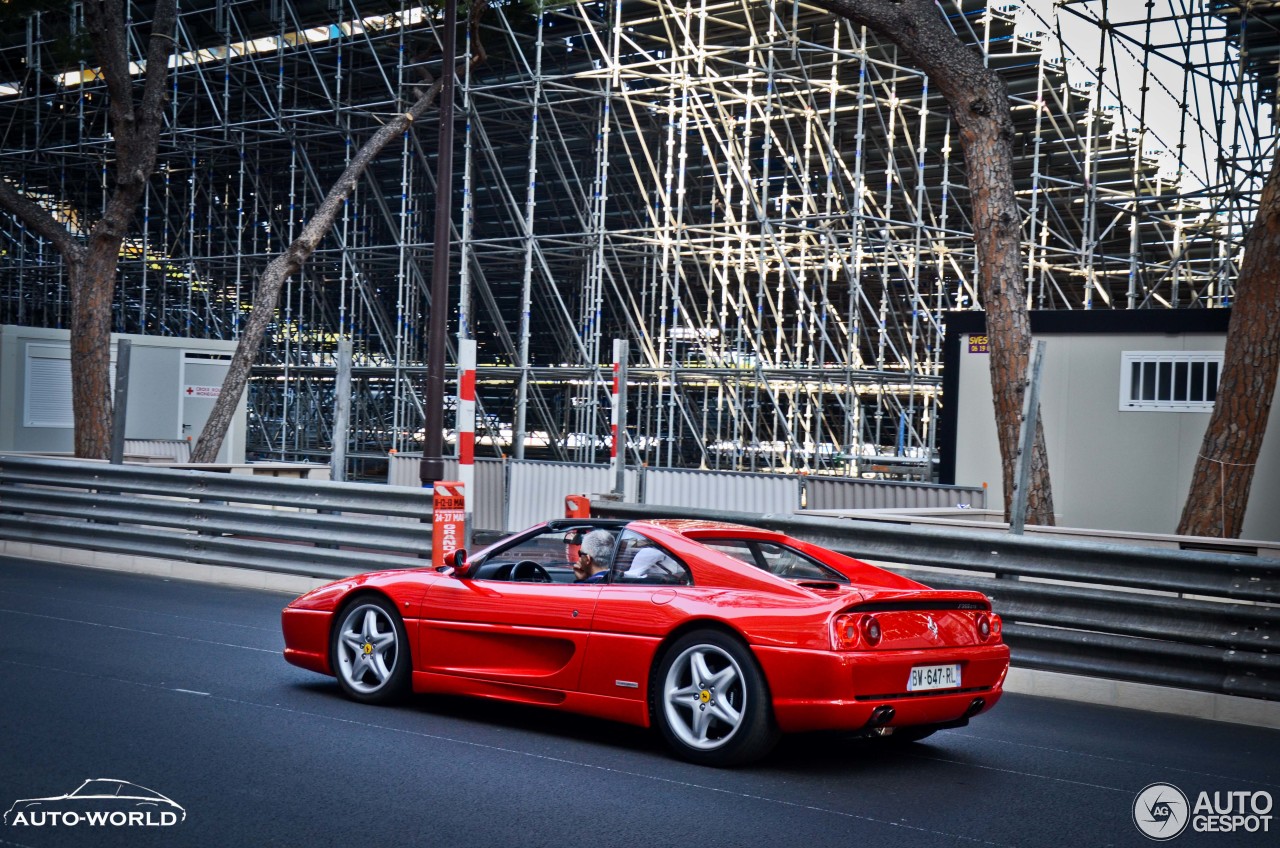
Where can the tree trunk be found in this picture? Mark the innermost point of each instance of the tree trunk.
(91, 268)
(1228, 456)
(92, 285)
(980, 107)
(278, 271)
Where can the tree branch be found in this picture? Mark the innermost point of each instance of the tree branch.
(918, 29)
(160, 47)
(39, 220)
(289, 262)
(105, 20)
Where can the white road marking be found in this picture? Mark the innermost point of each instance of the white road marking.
(135, 630)
(559, 760)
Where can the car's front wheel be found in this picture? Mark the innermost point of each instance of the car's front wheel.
(369, 651)
(710, 701)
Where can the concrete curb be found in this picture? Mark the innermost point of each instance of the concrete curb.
(1143, 696)
(1025, 681)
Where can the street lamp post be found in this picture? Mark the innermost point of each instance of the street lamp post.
(432, 467)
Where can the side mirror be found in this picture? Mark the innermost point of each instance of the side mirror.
(456, 562)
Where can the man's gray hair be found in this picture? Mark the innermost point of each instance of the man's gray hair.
(598, 544)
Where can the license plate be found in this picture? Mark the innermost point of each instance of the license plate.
(926, 677)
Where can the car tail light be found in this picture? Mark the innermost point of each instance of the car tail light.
(851, 631)
(844, 632)
(989, 626)
(870, 630)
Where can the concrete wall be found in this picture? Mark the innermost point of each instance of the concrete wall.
(167, 377)
(1111, 469)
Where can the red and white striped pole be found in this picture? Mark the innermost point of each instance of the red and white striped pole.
(618, 419)
(466, 427)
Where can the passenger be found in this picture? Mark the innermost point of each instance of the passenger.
(649, 562)
(593, 557)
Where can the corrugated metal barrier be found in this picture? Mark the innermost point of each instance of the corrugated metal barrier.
(514, 494)
(488, 500)
(167, 450)
(536, 490)
(849, 493)
(737, 491)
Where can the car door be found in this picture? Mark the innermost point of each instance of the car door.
(633, 613)
(493, 628)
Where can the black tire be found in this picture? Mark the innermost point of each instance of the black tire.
(728, 727)
(369, 651)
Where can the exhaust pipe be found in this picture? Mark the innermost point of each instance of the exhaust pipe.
(880, 716)
(975, 707)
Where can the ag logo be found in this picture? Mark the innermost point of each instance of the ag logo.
(1160, 811)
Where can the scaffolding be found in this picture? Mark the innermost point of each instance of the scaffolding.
(764, 200)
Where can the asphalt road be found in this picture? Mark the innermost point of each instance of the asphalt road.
(180, 687)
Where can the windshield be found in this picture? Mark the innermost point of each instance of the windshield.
(776, 559)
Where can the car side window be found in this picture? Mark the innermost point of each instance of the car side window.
(641, 560)
(545, 557)
(776, 559)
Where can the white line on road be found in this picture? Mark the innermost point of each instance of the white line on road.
(902, 825)
(143, 632)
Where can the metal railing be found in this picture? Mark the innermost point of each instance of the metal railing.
(306, 527)
(1188, 619)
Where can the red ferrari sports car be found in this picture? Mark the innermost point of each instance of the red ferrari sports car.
(720, 635)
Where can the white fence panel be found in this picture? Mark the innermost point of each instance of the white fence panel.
(402, 469)
(537, 489)
(722, 490)
(488, 500)
(847, 493)
(167, 450)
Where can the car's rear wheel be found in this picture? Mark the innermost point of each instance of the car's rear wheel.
(710, 701)
(369, 651)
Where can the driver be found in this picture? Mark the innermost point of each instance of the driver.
(593, 557)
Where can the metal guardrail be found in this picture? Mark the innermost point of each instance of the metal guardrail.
(305, 527)
(1102, 610)
(1097, 609)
